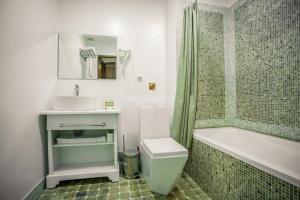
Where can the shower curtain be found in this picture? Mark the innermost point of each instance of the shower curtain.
(186, 92)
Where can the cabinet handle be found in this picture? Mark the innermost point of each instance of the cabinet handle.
(78, 125)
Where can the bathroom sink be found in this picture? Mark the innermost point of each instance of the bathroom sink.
(69, 103)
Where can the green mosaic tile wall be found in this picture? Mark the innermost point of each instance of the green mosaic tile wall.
(222, 176)
(268, 63)
(211, 83)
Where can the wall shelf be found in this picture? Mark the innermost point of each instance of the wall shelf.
(81, 168)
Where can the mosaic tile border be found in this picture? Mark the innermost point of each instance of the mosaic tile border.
(212, 123)
(222, 176)
(291, 133)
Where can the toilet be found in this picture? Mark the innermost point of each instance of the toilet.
(162, 158)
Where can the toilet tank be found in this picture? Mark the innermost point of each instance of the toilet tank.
(153, 122)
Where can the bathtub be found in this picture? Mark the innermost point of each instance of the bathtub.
(276, 156)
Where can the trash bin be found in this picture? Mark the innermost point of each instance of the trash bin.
(131, 163)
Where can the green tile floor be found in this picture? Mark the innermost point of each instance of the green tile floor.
(136, 189)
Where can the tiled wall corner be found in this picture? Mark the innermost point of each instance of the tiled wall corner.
(254, 82)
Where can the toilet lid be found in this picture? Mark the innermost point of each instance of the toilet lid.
(161, 147)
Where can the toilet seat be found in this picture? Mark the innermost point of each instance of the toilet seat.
(164, 147)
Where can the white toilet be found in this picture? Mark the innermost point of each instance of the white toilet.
(162, 158)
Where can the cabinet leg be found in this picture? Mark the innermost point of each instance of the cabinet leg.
(51, 182)
(114, 177)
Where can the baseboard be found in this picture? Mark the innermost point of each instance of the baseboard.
(35, 192)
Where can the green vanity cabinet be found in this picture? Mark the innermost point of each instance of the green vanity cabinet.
(81, 160)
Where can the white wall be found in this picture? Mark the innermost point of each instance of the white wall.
(27, 77)
(171, 67)
(70, 61)
(139, 26)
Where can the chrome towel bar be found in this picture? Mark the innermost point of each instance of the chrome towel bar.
(78, 125)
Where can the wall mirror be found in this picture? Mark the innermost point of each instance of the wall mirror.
(87, 57)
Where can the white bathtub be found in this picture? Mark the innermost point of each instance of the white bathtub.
(276, 156)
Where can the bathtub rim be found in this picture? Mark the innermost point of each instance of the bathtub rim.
(270, 168)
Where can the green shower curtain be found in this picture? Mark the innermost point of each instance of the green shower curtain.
(186, 93)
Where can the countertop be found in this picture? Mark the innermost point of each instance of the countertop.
(80, 112)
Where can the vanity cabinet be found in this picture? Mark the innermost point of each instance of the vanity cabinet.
(81, 160)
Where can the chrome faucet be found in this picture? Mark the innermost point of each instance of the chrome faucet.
(76, 89)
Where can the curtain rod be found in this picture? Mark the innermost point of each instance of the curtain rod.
(195, 3)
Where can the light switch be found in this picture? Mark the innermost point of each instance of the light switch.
(152, 86)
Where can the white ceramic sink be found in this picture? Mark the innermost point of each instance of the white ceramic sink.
(74, 103)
